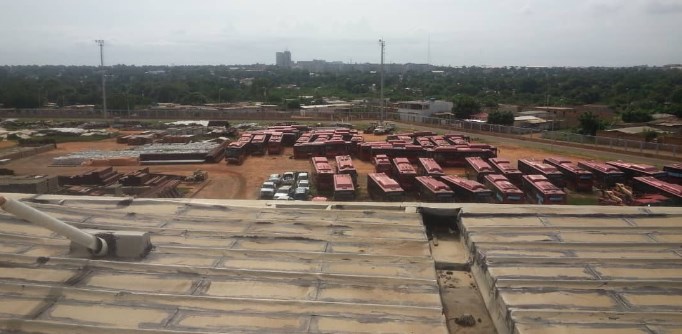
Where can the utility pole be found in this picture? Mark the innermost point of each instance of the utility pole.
(100, 42)
(381, 89)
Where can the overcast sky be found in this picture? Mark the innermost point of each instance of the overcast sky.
(462, 32)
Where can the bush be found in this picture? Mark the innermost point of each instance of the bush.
(501, 117)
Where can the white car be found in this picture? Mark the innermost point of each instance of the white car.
(283, 193)
(303, 184)
(288, 178)
(267, 190)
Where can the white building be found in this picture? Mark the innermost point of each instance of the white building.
(416, 111)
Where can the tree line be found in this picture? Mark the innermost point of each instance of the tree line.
(636, 92)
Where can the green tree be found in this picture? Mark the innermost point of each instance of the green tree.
(636, 116)
(501, 117)
(464, 106)
(590, 123)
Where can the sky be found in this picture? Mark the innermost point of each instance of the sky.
(441, 32)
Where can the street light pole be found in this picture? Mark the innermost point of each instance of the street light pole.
(381, 70)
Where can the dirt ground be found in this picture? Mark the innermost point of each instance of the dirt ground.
(225, 181)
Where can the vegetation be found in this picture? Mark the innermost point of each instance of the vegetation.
(590, 124)
(650, 89)
(501, 117)
(636, 116)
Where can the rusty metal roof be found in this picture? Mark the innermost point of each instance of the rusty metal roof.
(222, 266)
(568, 270)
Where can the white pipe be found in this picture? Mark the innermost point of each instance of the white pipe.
(25, 212)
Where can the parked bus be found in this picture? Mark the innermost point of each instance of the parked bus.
(307, 150)
(505, 168)
(674, 173)
(429, 167)
(539, 190)
(258, 144)
(577, 179)
(468, 191)
(275, 143)
(403, 172)
(344, 188)
(504, 191)
(634, 170)
(651, 185)
(335, 146)
(605, 176)
(236, 152)
(535, 167)
(382, 164)
(454, 156)
(344, 165)
(476, 168)
(323, 174)
(383, 188)
(430, 189)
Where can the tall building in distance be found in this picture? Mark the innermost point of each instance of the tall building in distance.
(283, 59)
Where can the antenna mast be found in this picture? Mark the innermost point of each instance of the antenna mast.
(381, 98)
(100, 42)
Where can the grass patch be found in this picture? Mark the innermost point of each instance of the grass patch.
(582, 199)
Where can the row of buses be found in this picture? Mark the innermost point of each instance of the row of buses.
(340, 181)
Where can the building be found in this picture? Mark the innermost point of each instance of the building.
(416, 111)
(283, 59)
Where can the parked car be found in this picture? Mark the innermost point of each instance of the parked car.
(302, 176)
(267, 190)
(301, 194)
(288, 178)
(283, 193)
(276, 179)
(303, 184)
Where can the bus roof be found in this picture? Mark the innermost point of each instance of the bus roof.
(433, 184)
(541, 183)
(404, 166)
(637, 167)
(502, 183)
(470, 185)
(479, 164)
(343, 182)
(385, 182)
(600, 167)
(430, 165)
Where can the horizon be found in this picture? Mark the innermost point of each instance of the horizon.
(525, 33)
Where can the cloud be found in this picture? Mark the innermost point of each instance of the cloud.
(664, 6)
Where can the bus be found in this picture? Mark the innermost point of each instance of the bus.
(335, 146)
(344, 187)
(476, 168)
(430, 189)
(307, 150)
(429, 167)
(504, 167)
(535, 167)
(344, 165)
(651, 185)
(382, 164)
(383, 188)
(631, 170)
(577, 179)
(236, 152)
(323, 174)
(403, 172)
(605, 176)
(258, 144)
(539, 190)
(674, 173)
(275, 143)
(504, 191)
(468, 191)
(454, 156)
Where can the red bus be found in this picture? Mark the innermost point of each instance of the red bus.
(577, 179)
(425, 142)
(431, 190)
(504, 191)
(535, 167)
(307, 150)
(382, 164)
(505, 168)
(258, 144)
(344, 188)
(492, 150)
(477, 168)
(323, 174)
(334, 147)
(468, 191)
(439, 141)
(383, 188)
(429, 167)
(236, 152)
(275, 143)
(404, 173)
(539, 190)
(605, 176)
(634, 170)
(344, 165)
(674, 173)
(651, 185)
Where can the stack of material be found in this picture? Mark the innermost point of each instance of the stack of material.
(141, 139)
(162, 186)
(84, 157)
(217, 154)
(179, 139)
(178, 153)
(136, 178)
(29, 184)
(100, 177)
(24, 151)
(83, 191)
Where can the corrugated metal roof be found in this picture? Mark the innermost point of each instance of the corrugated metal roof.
(593, 270)
(222, 266)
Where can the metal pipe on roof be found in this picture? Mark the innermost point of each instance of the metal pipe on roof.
(97, 245)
